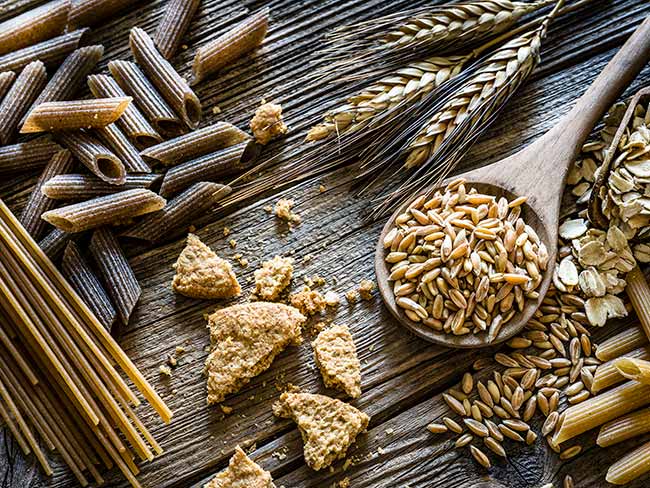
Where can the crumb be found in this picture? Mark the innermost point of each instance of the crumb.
(179, 350)
(318, 327)
(336, 357)
(281, 454)
(191, 228)
(233, 243)
(166, 370)
(344, 483)
(332, 299)
(308, 301)
(352, 296)
(241, 472)
(226, 409)
(380, 450)
(322, 189)
(243, 262)
(389, 431)
(273, 277)
(365, 289)
(283, 211)
(307, 259)
(226, 231)
(267, 123)
(171, 360)
(200, 273)
(315, 280)
(216, 110)
(184, 46)
(268, 208)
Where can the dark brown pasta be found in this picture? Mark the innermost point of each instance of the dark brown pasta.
(22, 93)
(113, 137)
(105, 210)
(170, 84)
(50, 52)
(135, 83)
(54, 243)
(117, 275)
(6, 79)
(86, 283)
(80, 187)
(100, 160)
(195, 143)
(210, 167)
(132, 122)
(174, 24)
(61, 163)
(26, 156)
(74, 114)
(33, 26)
(239, 40)
(86, 13)
(179, 212)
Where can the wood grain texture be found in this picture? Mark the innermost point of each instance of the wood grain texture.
(402, 375)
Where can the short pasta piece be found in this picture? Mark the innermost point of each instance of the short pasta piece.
(75, 114)
(27, 156)
(54, 243)
(607, 374)
(624, 428)
(90, 12)
(113, 137)
(6, 79)
(106, 210)
(50, 52)
(630, 466)
(621, 343)
(634, 369)
(174, 24)
(100, 160)
(79, 187)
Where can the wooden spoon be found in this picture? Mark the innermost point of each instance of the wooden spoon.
(539, 172)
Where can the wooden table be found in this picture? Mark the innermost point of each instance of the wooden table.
(402, 376)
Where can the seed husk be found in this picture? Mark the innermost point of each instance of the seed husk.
(463, 440)
(437, 428)
(452, 425)
(495, 446)
(480, 457)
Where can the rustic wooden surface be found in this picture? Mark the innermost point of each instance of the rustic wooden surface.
(402, 375)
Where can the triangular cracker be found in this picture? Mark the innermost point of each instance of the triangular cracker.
(200, 273)
(336, 356)
(328, 426)
(241, 473)
(245, 340)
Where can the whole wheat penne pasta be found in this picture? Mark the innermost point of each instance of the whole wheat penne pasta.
(61, 163)
(50, 52)
(100, 160)
(621, 343)
(602, 408)
(113, 137)
(170, 84)
(86, 13)
(22, 93)
(70, 76)
(174, 24)
(607, 374)
(6, 79)
(210, 167)
(27, 156)
(132, 122)
(179, 211)
(75, 114)
(118, 277)
(624, 428)
(239, 40)
(86, 283)
(105, 210)
(196, 143)
(79, 187)
(54, 243)
(630, 466)
(634, 369)
(33, 26)
(135, 83)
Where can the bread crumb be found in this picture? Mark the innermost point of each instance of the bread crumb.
(216, 110)
(226, 231)
(179, 350)
(273, 277)
(267, 123)
(336, 356)
(226, 409)
(322, 189)
(389, 431)
(166, 370)
(268, 208)
(283, 211)
(233, 243)
(365, 289)
(332, 299)
(308, 301)
(344, 483)
(307, 259)
(352, 296)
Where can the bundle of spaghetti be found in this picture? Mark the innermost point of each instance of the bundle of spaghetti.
(59, 378)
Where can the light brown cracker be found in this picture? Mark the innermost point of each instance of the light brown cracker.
(241, 473)
(336, 356)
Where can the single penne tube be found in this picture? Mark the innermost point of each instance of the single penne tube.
(244, 37)
(62, 162)
(631, 466)
(210, 167)
(6, 79)
(27, 156)
(87, 285)
(105, 210)
(196, 143)
(132, 122)
(93, 113)
(634, 369)
(624, 428)
(170, 84)
(50, 52)
(607, 374)
(174, 24)
(116, 272)
(621, 343)
(179, 211)
(100, 160)
(600, 409)
(54, 243)
(113, 137)
(86, 13)
(146, 96)
(19, 98)
(33, 26)
(80, 187)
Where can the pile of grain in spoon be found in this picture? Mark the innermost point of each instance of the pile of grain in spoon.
(464, 262)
